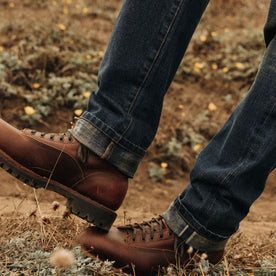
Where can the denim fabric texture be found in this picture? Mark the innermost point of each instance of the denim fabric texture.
(147, 44)
(231, 171)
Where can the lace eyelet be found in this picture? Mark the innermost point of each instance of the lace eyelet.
(61, 139)
(52, 137)
(161, 236)
(33, 132)
(133, 239)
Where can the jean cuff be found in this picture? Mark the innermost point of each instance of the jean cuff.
(106, 147)
(187, 233)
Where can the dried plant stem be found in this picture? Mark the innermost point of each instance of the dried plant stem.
(201, 270)
(226, 266)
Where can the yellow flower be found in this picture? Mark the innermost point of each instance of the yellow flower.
(239, 65)
(203, 38)
(101, 54)
(196, 70)
(29, 110)
(180, 106)
(54, 3)
(36, 85)
(197, 147)
(89, 57)
(214, 66)
(183, 114)
(199, 65)
(164, 165)
(11, 5)
(78, 112)
(65, 10)
(1, 48)
(72, 42)
(225, 69)
(212, 107)
(86, 95)
(213, 34)
(226, 30)
(69, 2)
(85, 10)
(61, 27)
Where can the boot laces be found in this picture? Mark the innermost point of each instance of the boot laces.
(151, 225)
(83, 151)
(53, 135)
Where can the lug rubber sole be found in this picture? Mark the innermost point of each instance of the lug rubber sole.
(78, 204)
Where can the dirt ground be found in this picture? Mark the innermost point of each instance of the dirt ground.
(256, 238)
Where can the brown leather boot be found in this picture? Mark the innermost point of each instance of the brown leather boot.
(146, 246)
(58, 162)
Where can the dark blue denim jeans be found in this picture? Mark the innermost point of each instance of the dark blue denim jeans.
(147, 44)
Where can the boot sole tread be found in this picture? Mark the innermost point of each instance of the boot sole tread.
(77, 204)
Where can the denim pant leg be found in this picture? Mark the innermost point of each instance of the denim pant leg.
(146, 46)
(230, 173)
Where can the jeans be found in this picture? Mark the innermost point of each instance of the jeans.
(148, 42)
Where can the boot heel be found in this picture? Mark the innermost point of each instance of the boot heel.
(91, 211)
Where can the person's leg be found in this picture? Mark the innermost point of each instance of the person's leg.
(145, 49)
(231, 171)
(229, 174)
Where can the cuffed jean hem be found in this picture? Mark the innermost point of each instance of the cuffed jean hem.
(100, 143)
(187, 233)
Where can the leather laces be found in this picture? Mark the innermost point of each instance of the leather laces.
(83, 151)
(52, 135)
(148, 225)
